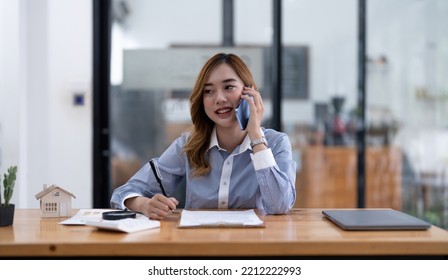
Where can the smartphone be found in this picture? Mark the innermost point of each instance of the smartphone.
(243, 113)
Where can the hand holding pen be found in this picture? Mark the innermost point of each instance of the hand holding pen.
(159, 205)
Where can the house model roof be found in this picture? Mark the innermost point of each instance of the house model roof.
(49, 189)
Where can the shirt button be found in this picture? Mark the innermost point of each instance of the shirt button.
(225, 183)
(222, 203)
(228, 163)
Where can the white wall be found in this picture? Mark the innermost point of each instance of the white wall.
(37, 110)
(46, 52)
(12, 88)
(70, 70)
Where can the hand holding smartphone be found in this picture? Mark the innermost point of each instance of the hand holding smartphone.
(243, 113)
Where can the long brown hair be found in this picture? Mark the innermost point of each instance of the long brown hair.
(199, 141)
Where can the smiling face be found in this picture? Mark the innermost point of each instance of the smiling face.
(221, 95)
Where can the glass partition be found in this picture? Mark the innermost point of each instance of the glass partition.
(320, 94)
(159, 46)
(407, 66)
(406, 108)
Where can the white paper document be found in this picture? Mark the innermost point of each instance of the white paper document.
(128, 225)
(94, 217)
(245, 218)
(83, 215)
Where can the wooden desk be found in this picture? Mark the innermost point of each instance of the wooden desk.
(303, 232)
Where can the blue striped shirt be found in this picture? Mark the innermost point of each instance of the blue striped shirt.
(240, 180)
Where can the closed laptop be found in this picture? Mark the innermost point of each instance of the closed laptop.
(374, 219)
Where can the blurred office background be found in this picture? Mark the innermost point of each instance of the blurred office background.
(157, 48)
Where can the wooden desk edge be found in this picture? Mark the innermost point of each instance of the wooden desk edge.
(436, 246)
(222, 250)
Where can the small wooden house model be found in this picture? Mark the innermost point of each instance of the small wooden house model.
(55, 202)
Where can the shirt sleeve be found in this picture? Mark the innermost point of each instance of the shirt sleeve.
(276, 175)
(143, 183)
(263, 159)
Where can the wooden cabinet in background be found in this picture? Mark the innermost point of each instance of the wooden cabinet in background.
(328, 178)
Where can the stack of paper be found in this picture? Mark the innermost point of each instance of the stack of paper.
(245, 218)
(83, 215)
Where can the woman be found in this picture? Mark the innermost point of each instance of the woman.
(224, 166)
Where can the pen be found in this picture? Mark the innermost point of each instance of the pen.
(156, 171)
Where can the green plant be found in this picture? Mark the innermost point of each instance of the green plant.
(8, 184)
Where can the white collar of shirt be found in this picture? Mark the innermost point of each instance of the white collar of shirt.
(243, 146)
